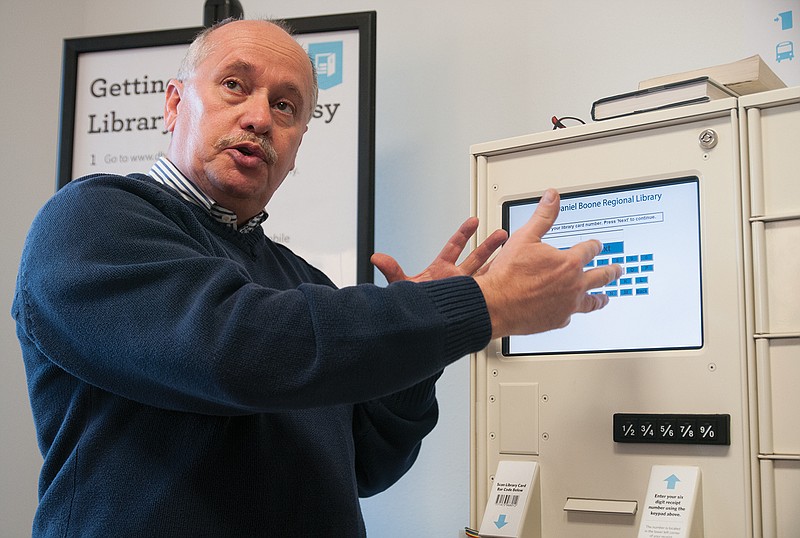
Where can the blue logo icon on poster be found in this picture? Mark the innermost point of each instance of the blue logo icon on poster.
(327, 58)
(785, 19)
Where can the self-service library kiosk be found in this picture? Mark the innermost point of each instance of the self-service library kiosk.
(695, 362)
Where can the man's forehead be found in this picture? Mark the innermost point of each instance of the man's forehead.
(250, 41)
(257, 33)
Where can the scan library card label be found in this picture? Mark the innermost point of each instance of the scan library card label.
(508, 500)
(670, 507)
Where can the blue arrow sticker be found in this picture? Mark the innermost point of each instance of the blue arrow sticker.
(671, 481)
(501, 521)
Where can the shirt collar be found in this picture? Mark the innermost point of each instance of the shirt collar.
(168, 175)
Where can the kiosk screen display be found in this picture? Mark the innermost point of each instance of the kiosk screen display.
(653, 231)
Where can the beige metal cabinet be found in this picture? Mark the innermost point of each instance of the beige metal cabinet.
(557, 407)
(771, 174)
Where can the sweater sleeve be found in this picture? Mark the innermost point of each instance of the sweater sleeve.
(388, 434)
(127, 297)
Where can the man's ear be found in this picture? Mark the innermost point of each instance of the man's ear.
(173, 99)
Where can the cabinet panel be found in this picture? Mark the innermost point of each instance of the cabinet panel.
(782, 270)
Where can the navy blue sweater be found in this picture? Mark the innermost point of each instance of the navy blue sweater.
(189, 380)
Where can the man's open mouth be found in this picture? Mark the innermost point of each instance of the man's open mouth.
(250, 151)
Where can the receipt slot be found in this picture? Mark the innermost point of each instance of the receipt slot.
(665, 375)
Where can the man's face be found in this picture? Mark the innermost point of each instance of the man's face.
(252, 91)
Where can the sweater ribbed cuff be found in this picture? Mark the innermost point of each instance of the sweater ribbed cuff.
(461, 302)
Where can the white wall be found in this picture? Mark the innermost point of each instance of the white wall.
(450, 74)
(30, 50)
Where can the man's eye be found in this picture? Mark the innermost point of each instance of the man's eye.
(232, 85)
(285, 106)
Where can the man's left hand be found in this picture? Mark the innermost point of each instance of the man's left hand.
(445, 265)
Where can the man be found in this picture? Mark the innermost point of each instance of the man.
(188, 377)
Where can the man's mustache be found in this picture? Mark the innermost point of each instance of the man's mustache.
(270, 155)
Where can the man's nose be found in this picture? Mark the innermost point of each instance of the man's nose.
(257, 116)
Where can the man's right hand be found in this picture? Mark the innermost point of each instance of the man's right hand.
(533, 287)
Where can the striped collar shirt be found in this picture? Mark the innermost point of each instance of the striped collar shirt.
(168, 175)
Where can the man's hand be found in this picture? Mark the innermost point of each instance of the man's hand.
(445, 263)
(533, 287)
(529, 286)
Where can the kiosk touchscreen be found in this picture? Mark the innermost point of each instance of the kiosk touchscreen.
(653, 231)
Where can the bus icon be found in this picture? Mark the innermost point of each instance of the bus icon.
(784, 51)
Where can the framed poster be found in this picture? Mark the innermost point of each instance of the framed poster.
(112, 121)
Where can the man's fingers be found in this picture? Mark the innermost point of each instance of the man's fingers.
(388, 266)
(587, 250)
(544, 216)
(590, 303)
(601, 276)
(458, 242)
(478, 257)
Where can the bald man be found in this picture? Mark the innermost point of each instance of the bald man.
(189, 377)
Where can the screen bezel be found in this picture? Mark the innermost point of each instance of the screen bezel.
(627, 187)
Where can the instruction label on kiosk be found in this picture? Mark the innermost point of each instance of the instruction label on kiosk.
(508, 502)
(673, 507)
